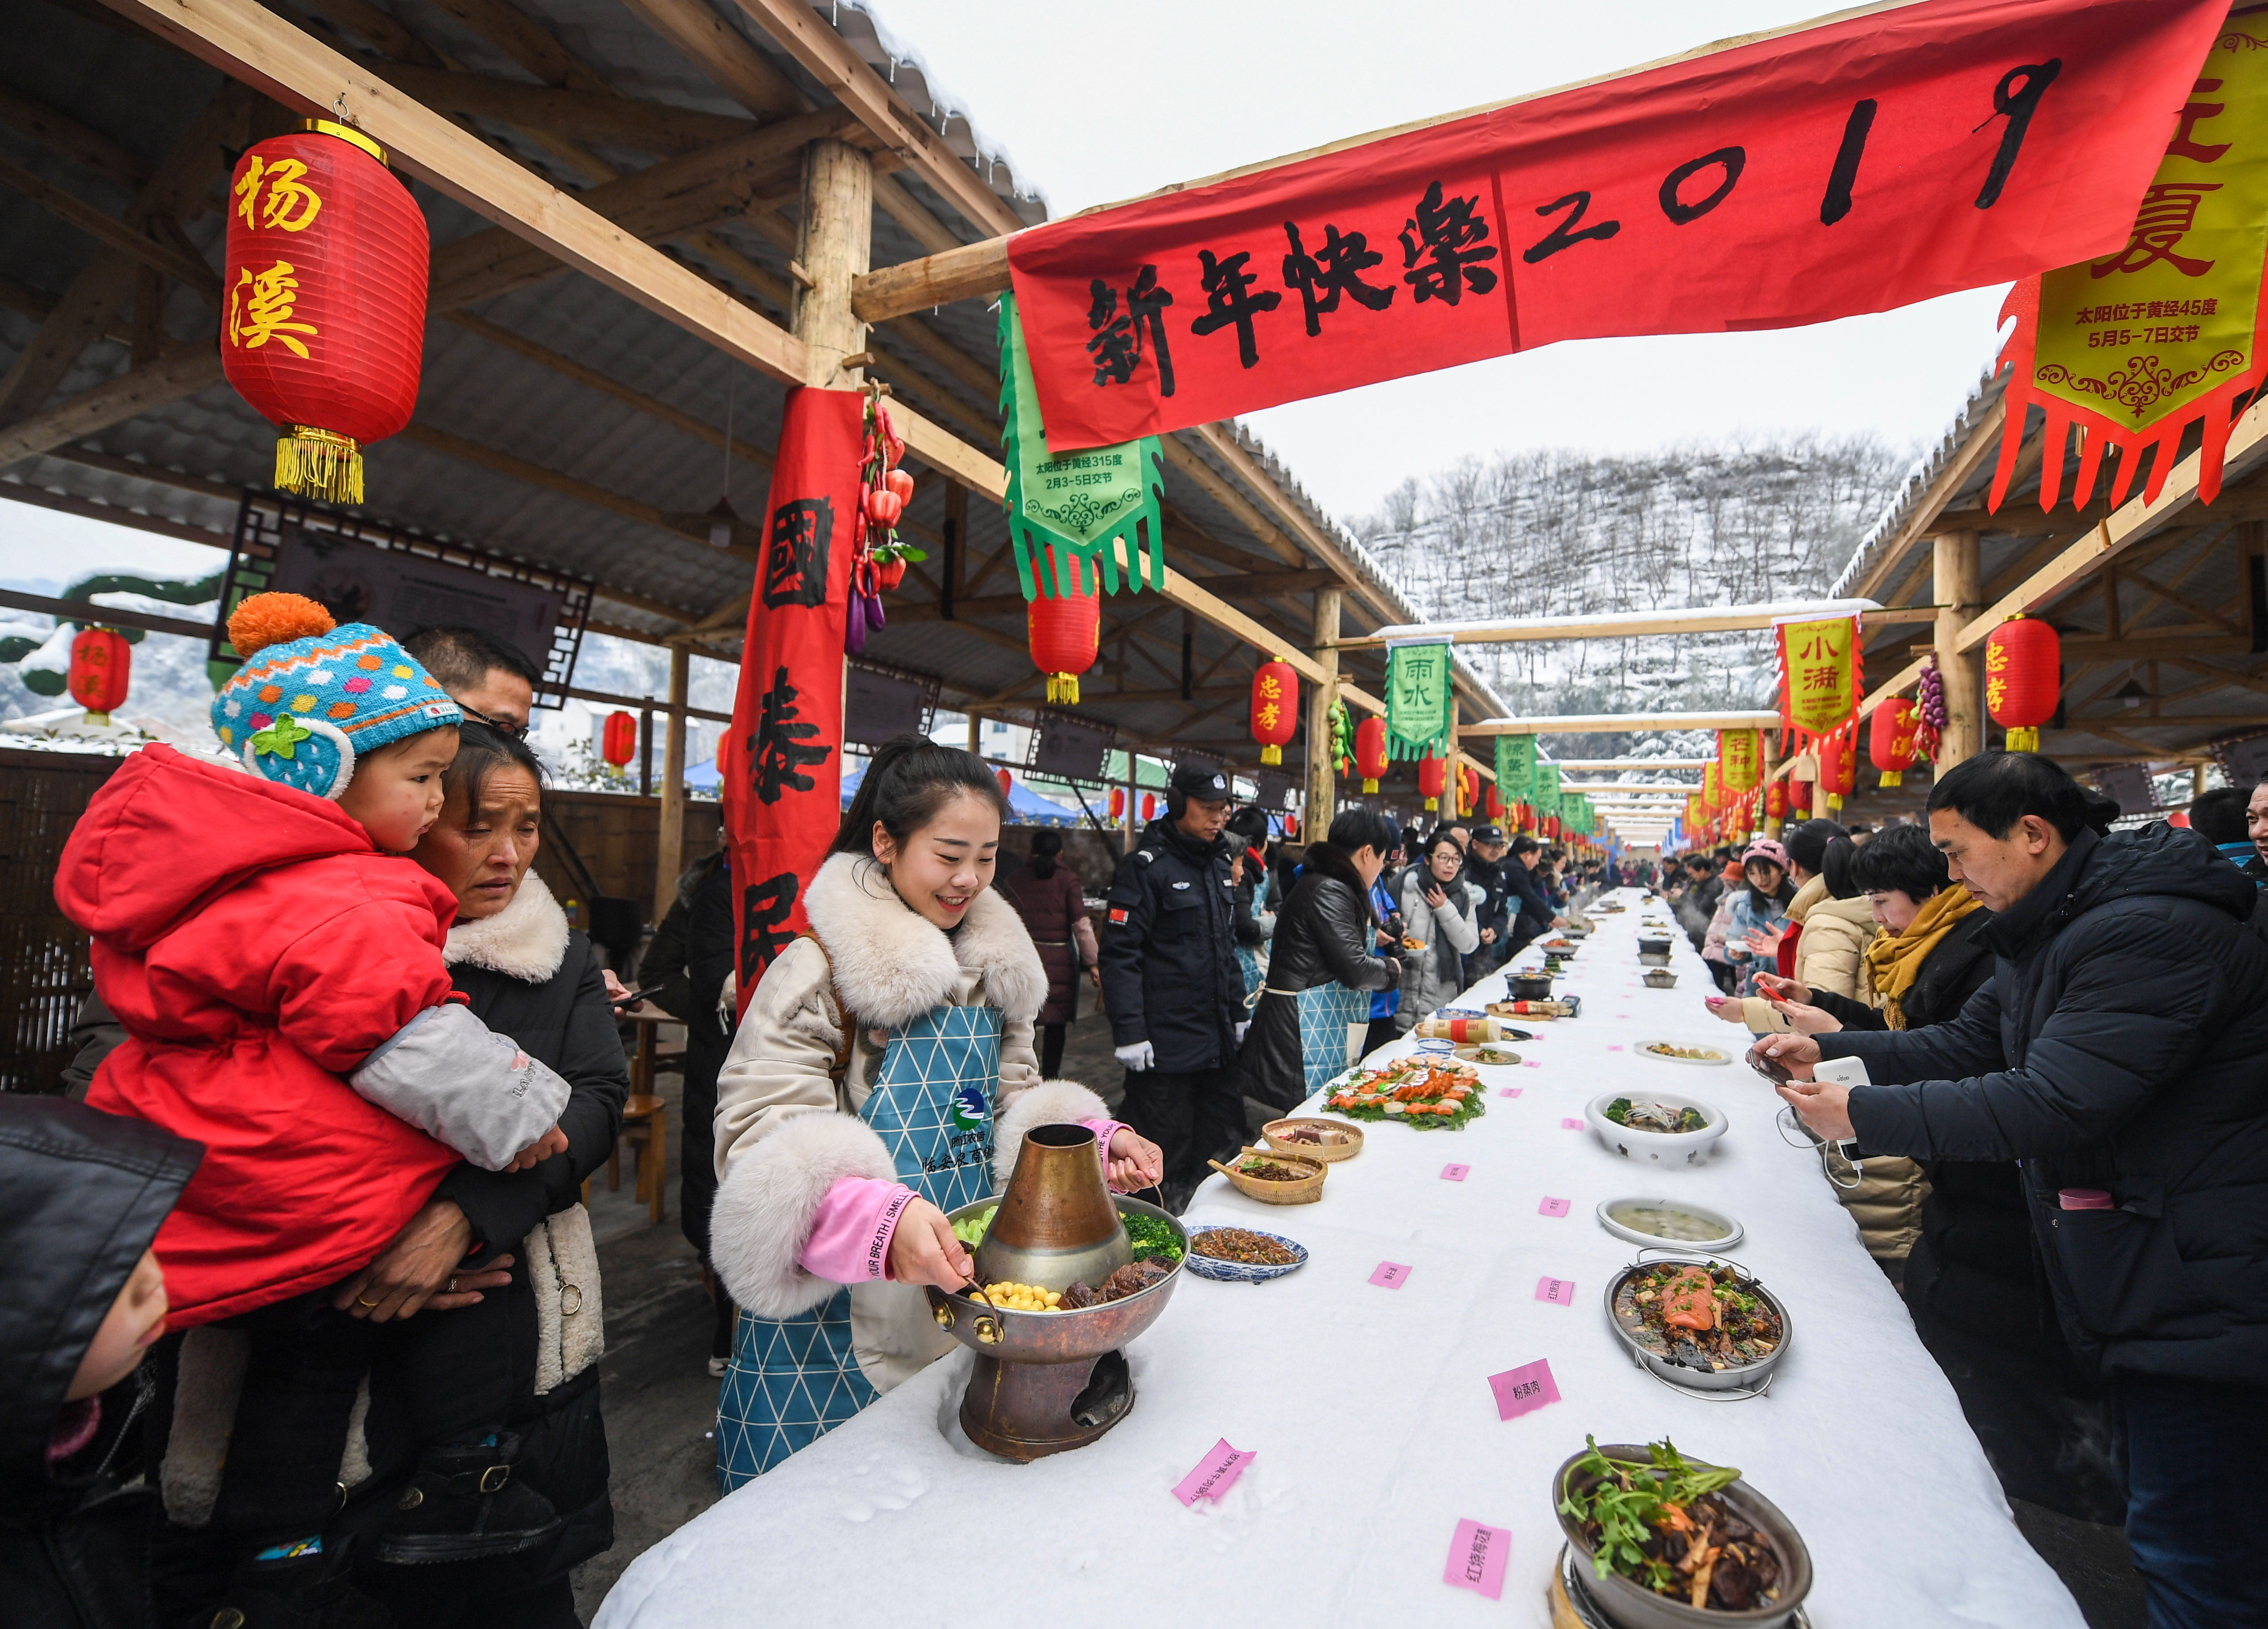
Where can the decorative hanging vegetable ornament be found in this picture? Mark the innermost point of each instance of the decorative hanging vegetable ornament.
(1890, 739)
(1275, 708)
(323, 283)
(101, 663)
(618, 742)
(2023, 679)
(1064, 629)
(1929, 709)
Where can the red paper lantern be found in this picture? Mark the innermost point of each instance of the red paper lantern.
(101, 663)
(324, 276)
(1492, 801)
(1007, 781)
(1433, 778)
(2023, 676)
(1291, 825)
(1149, 806)
(1275, 708)
(1063, 630)
(1799, 797)
(1551, 827)
(618, 742)
(1839, 765)
(1370, 751)
(1890, 739)
(1776, 800)
(1118, 803)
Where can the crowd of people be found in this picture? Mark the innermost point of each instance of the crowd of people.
(304, 1309)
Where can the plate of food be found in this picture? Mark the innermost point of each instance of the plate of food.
(1682, 1052)
(1241, 1255)
(1663, 1129)
(1499, 1056)
(1427, 1092)
(1410, 942)
(1655, 1222)
(1698, 1322)
(1326, 1140)
(1634, 1514)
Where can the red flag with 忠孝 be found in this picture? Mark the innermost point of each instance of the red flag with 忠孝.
(780, 765)
(1867, 161)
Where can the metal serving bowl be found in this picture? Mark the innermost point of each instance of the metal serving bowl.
(1057, 1337)
(1634, 1606)
(1741, 1380)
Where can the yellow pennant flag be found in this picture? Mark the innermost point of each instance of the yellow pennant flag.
(1741, 758)
(1818, 673)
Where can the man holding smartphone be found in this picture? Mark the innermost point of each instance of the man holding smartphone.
(2117, 1054)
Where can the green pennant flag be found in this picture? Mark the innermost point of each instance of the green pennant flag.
(1547, 789)
(1420, 695)
(1515, 768)
(1078, 505)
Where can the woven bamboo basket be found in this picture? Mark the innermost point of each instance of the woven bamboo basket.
(1341, 1140)
(1305, 1191)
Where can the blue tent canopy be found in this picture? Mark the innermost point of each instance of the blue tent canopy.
(1025, 807)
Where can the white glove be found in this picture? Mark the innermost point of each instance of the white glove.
(1240, 1029)
(1138, 1057)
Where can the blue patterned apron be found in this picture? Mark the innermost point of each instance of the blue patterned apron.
(1327, 1013)
(792, 1379)
(1252, 962)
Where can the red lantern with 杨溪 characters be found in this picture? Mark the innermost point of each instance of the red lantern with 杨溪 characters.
(1064, 629)
(101, 663)
(1370, 751)
(1890, 739)
(1432, 779)
(2023, 677)
(323, 292)
(1275, 708)
(618, 740)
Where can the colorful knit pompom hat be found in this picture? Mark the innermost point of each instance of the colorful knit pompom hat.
(313, 694)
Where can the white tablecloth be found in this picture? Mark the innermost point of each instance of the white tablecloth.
(1369, 1411)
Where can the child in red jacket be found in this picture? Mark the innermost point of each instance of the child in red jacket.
(278, 968)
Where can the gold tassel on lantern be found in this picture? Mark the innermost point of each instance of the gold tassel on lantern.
(1064, 688)
(2023, 738)
(1271, 754)
(319, 464)
(1894, 777)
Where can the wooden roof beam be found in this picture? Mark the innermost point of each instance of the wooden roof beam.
(1921, 520)
(585, 115)
(827, 57)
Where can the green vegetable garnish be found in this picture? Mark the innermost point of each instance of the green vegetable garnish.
(1618, 1110)
(1150, 1237)
(1627, 1501)
(971, 1229)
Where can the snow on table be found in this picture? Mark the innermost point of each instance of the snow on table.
(1368, 1403)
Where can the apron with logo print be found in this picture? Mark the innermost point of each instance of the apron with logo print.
(791, 1380)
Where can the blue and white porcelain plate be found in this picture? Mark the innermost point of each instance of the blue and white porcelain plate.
(1241, 1271)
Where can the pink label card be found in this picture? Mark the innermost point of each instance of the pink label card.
(1216, 1473)
(1530, 1063)
(1390, 1275)
(1571, 1125)
(1559, 1292)
(1552, 1207)
(1476, 1559)
(1454, 1173)
(1614, 1049)
(1621, 1015)
(1508, 1091)
(1524, 1390)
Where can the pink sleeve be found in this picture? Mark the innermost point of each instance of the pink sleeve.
(850, 1240)
(1104, 1130)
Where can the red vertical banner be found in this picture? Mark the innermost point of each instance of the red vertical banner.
(781, 763)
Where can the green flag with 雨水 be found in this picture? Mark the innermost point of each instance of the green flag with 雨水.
(1515, 768)
(1078, 505)
(1419, 697)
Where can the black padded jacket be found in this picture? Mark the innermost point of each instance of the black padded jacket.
(1168, 954)
(2119, 1046)
(1323, 934)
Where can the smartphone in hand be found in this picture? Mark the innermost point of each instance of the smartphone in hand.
(1772, 1069)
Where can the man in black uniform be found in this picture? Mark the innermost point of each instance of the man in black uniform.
(1484, 864)
(1171, 983)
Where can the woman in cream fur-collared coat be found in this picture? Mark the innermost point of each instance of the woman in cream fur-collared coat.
(881, 1062)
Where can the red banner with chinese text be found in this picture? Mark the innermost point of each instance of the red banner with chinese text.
(2165, 332)
(1821, 665)
(1863, 164)
(780, 764)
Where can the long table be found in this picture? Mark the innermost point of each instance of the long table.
(1368, 1409)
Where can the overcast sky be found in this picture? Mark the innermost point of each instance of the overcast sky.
(1098, 102)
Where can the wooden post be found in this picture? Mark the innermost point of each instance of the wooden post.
(1322, 785)
(833, 242)
(670, 852)
(955, 534)
(1133, 791)
(645, 748)
(1959, 597)
(1764, 770)
(976, 734)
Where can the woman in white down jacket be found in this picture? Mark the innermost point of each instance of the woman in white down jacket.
(881, 1061)
(1438, 909)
